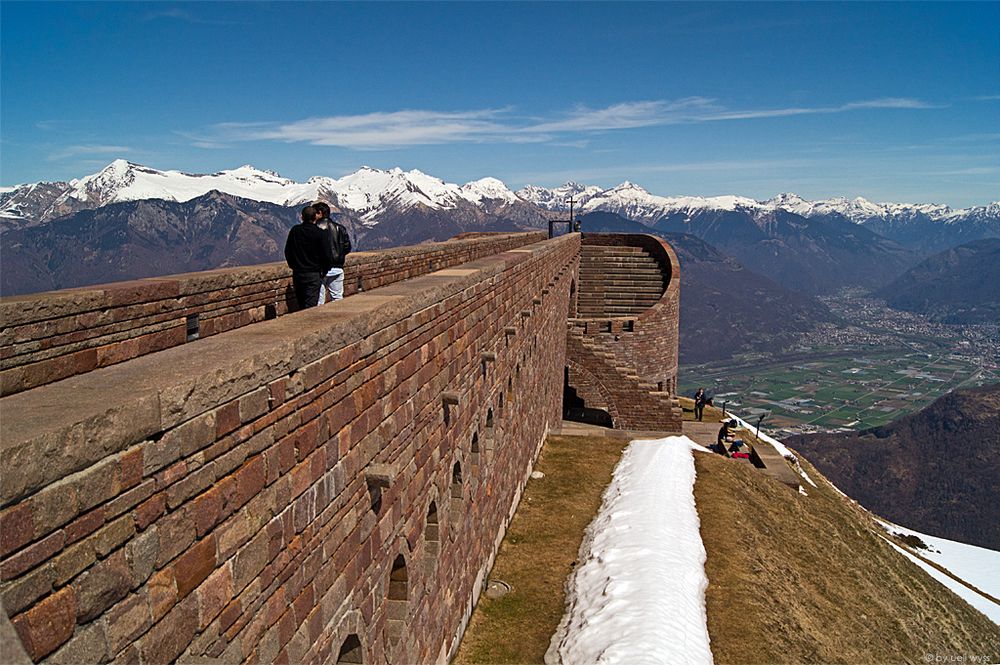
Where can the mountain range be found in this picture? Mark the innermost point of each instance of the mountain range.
(768, 258)
(370, 193)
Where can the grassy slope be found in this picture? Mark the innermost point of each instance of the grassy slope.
(539, 552)
(797, 579)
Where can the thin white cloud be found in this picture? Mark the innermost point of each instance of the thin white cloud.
(384, 130)
(972, 170)
(395, 129)
(87, 150)
(178, 14)
(627, 115)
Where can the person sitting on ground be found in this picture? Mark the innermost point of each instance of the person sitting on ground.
(724, 437)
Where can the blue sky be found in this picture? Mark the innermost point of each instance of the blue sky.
(893, 102)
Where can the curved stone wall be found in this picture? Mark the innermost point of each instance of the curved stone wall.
(634, 354)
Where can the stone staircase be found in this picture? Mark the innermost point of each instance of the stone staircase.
(617, 281)
(638, 404)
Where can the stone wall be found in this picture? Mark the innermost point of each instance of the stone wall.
(327, 486)
(627, 365)
(51, 336)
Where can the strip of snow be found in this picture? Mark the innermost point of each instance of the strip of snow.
(978, 566)
(990, 609)
(639, 596)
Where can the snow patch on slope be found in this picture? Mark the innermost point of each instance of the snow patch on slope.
(979, 566)
(984, 605)
(639, 597)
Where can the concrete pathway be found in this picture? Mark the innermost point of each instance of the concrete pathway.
(703, 433)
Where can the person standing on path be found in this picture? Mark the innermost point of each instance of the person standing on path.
(699, 404)
(340, 242)
(310, 256)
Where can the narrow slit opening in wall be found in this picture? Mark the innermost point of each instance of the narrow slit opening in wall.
(397, 596)
(489, 418)
(350, 652)
(432, 530)
(456, 481)
(475, 450)
(193, 327)
(270, 311)
(375, 495)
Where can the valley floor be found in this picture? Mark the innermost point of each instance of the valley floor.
(876, 365)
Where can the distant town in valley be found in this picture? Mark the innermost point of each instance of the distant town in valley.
(879, 365)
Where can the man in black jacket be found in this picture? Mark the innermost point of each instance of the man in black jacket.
(309, 255)
(340, 241)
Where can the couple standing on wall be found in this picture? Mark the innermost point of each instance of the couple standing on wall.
(315, 251)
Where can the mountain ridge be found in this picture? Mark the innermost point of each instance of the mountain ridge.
(367, 191)
(933, 470)
(959, 285)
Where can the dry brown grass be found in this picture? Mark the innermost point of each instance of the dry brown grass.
(806, 579)
(539, 552)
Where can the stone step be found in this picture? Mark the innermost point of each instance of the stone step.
(648, 301)
(624, 285)
(611, 313)
(615, 275)
(586, 250)
(586, 273)
(617, 290)
(637, 262)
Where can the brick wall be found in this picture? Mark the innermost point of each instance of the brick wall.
(329, 483)
(629, 363)
(50, 336)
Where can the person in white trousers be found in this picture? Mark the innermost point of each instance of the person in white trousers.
(333, 281)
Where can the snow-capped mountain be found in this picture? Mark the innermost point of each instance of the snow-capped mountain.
(367, 193)
(124, 181)
(372, 195)
(557, 199)
(633, 202)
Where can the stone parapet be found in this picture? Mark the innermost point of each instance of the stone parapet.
(51, 336)
(324, 486)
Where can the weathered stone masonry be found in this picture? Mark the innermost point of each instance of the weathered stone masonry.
(623, 335)
(65, 333)
(329, 486)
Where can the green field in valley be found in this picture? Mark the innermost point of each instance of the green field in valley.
(824, 391)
